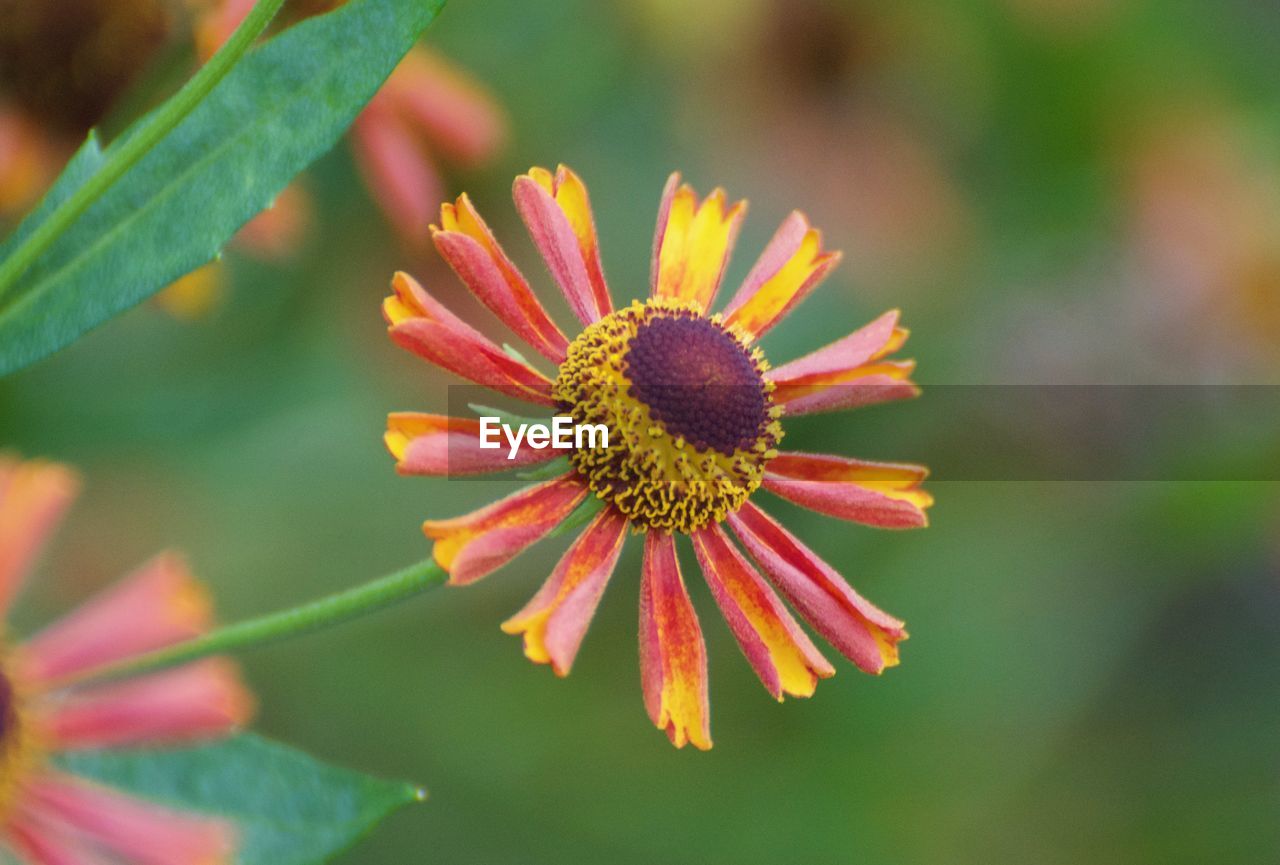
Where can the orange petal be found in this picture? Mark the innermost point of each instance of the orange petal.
(781, 653)
(556, 620)
(33, 497)
(471, 546)
(692, 243)
(789, 268)
(673, 658)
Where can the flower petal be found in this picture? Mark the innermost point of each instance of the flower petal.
(403, 182)
(424, 326)
(140, 832)
(465, 241)
(557, 212)
(673, 658)
(155, 606)
(451, 111)
(471, 546)
(789, 268)
(41, 844)
(441, 446)
(204, 700)
(864, 634)
(692, 243)
(849, 373)
(556, 620)
(34, 494)
(781, 653)
(886, 495)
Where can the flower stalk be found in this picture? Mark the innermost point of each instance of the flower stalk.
(273, 627)
(135, 146)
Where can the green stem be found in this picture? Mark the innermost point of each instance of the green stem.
(322, 613)
(133, 148)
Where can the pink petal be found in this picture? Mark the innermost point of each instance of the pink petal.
(660, 231)
(778, 650)
(451, 111)
(465, 241)
(157, 605)
(476, 544)
(557, 213)
(801, 398)
(39, 843)
(33, 497)
(440, 446)
(426, 327)
(848, 373)
(673, 657)
(790, 267)
(199, 701)
(140, 832)
(402, 180)
(886, 495)
(865, 344)
(861, 632)
(556, 620)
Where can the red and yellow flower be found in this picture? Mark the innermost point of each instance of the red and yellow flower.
(694, 415)
(47, 816)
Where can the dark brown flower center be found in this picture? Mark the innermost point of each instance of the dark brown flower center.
(66, 62)
(699, 382)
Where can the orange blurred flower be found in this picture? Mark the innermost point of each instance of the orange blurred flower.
(49, 817)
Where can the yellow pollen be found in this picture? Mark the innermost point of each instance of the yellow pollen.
(690, 416)
(20, 748)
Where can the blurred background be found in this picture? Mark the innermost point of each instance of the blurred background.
(1053, 191)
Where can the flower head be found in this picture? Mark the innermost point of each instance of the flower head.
(49, 817)
(694, 415)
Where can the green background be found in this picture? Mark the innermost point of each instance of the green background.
(1094, 668)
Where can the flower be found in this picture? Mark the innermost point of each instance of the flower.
(427, 107)
(50, 817)
(694, 414)
(64, 64)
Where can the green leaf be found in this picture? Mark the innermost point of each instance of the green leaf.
(290, 809)
(284, 105)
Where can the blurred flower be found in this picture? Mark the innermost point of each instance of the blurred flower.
(48, 817)
(428, 107)
(692, 409)
(64, 64)
(194, 295)
(864, 98)
(1204, 210)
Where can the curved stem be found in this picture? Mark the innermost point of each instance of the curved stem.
(133, 148)
(322, 613)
